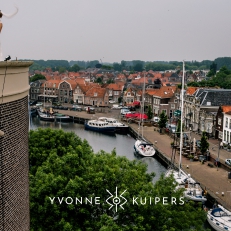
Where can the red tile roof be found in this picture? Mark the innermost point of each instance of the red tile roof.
(226, 108)
(163, 92)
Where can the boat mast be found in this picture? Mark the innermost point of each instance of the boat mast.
(142, 111)
(181, 118)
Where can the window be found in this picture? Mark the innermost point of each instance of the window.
(95, 94)
(226, 122)
(219, 121)
(228, 136)
(175, 100)
(224, 135)
(165, 111)
(173, 106)
(229, 123)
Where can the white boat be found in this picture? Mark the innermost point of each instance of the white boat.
(120, 128)
(144, 148)
(141, 146)
(219, 218)
(193, 190)
(99, 126)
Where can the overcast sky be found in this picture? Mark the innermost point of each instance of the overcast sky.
(115, 30)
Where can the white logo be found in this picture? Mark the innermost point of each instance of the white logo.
(116, 200)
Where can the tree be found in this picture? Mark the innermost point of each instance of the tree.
(37, 77)
(163, 120)
(149, 113)
(62, 70)
(99, 80)
(204, 143)
(62, 167)
(75, 68)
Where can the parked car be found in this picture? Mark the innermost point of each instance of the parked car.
(76, 108)
(171, 128)
(111, 101)
(228, 162)
(39, 104)
(116, 106)
(33, 102)
(124, 111)
(156, 119)
(202, 158)
(131, 108)
(56, 103)
(198, 143)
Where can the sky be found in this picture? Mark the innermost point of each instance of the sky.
(115, 30)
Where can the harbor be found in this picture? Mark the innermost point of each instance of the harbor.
(215, 180)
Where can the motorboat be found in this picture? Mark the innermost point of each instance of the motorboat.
(143, 148)
(219, 218)
(194, 192)
(45, 115)
(120, 128)
(100, 126)
(59, 117)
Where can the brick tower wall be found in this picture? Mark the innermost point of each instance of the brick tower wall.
(14, 166)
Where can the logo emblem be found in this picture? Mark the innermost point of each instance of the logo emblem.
(116, 200)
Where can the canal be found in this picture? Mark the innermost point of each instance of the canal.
(122, 143)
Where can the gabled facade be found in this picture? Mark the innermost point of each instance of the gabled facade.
(161, 100)
(96, 96)
(36, 89)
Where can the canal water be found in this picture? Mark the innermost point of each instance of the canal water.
(122, 143)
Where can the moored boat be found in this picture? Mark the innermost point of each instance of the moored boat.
(144, 148)
(46, 116)
(99, 126)
(61, 117)
(219, 218)
(120, 128)
(192, 190)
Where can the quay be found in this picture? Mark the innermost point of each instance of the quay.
(215, 180)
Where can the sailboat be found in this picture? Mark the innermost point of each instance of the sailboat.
(192, 191)
(219, 218)
(141, 146)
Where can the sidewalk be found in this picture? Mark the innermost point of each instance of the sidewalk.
(215, 180)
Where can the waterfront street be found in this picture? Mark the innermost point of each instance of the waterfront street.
(214, 179)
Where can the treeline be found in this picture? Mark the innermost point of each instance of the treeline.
(221, 79)
(134, 65)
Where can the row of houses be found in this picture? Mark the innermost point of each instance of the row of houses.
(78, 91)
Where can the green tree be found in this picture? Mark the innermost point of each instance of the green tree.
(204, 145)
(62, 69)
(75, 68)
(37, 77)
(149, 112)
(62, 165)
(99, 80)
(163, 120)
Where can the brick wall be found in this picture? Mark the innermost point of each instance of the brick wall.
(14, 166)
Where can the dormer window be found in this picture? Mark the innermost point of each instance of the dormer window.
(95, 94)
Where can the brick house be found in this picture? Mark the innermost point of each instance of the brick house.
(36, 89)
(96, 96)
(161, 99)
